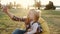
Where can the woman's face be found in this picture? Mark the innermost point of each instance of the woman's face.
(31, 15)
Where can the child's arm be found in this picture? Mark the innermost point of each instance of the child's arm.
(6, 10)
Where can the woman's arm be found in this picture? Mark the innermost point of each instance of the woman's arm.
(6, 10)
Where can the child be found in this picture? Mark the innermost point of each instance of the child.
(31, 21)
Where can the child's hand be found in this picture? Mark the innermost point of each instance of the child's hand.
(25, 33)
(29, 30)
(5, 9)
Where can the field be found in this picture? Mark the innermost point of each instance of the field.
(52, 17)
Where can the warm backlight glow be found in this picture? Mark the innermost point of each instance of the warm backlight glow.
(25, 3)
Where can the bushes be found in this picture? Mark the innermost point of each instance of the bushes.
(50, 6)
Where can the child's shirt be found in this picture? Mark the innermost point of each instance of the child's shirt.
(33, 28)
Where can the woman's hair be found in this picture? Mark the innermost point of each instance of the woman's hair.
(36, 13)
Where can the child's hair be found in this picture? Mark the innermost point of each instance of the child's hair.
(36, 13)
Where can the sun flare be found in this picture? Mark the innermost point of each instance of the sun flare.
(26, 3)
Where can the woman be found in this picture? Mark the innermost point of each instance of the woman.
(32, 17)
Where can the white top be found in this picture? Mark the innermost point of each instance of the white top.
(33, 28)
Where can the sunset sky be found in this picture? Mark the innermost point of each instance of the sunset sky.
(31, 2)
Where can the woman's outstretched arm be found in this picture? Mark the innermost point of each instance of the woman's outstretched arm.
(6, 10)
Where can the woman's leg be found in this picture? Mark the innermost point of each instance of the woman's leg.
(18, 31)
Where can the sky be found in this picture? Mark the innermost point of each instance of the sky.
(30, 2)
(56, 2)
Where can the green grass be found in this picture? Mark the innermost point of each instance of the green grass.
(7, 25)
(53, 19)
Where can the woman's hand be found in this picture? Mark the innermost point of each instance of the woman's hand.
(5, 9)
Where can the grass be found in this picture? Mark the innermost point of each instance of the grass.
(53, 19)
(7, 25)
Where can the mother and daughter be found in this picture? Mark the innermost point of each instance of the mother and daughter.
(31, 22)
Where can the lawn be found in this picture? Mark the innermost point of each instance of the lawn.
(52, 17)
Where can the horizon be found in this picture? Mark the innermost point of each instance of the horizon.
(26, 3)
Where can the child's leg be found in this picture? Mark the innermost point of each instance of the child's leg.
(18, 31)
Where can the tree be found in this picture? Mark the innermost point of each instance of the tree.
(49, 6)
(18, 6)
(10, 5)
(0, 4)
(37, 4)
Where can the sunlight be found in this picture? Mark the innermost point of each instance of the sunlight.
(26, 3)
(44, 2)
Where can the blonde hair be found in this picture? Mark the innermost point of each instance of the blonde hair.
(36, 13)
